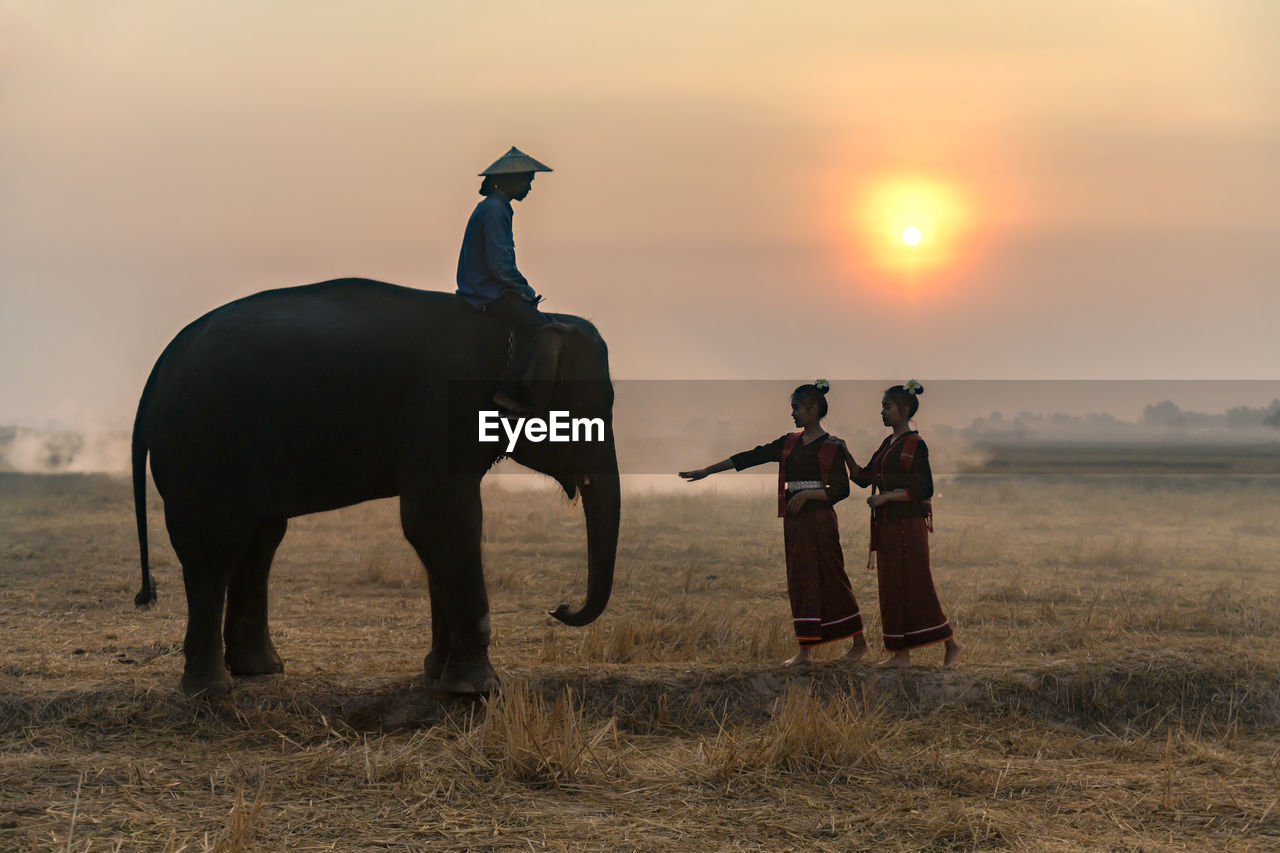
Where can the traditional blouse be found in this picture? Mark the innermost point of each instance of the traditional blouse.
(802, 464)
(884, 471)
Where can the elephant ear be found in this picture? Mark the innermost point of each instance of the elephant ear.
(547, 367)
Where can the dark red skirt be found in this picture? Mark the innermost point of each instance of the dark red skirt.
(909, 610)
(823, 608)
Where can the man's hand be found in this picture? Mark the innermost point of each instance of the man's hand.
(694, 476)
(877, 500)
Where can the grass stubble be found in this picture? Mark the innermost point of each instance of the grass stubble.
(1120, 691)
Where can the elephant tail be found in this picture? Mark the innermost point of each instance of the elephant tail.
(147, 594)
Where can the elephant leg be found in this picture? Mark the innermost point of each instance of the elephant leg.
(443, 525)
(433, 663)
(207, 550)
(205, 671)
(249, 647)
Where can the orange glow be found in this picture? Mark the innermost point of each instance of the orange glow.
(910, 223)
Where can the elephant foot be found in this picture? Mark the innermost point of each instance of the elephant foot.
(262, 660)
(207, 685)
(471, 677)
(433, 664)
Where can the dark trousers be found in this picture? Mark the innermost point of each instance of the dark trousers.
(526, 321)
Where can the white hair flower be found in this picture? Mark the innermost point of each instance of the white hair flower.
(912, 386)
(822, 385)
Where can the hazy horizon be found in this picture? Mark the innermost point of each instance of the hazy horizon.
(667, 425)
(1097, 181)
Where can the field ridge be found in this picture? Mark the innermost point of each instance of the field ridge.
(1138, 692)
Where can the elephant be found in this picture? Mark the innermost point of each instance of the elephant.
(311, 398)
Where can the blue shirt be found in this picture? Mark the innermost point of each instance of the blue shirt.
(487, 262)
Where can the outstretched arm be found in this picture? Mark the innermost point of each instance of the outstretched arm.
(694, 476)
(770, 452)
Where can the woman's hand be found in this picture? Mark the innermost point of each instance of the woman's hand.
(797, 502)
(699, 473)
(877, 500)
(843, 448)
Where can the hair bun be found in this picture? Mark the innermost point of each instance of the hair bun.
(914, 387)
(822, 385)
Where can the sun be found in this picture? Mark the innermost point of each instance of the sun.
(911, 223)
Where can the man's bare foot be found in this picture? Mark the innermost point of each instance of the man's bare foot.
(954, 649)
(857, 651)
(900, 660)
(800, 658)
(515, 407)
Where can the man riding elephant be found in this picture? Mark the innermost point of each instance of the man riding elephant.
(488, 278)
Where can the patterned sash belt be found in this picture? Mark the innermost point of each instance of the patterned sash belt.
(794, 486)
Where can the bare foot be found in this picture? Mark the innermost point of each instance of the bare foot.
(512, 406)
(900, 660)
(800, 658)
(857, 651)
(954, 649)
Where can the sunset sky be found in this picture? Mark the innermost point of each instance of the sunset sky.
(1096, 184)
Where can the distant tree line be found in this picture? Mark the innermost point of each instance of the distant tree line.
(1170, 415)
(1166, 417)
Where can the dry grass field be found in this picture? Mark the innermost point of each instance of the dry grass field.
(1121, 690)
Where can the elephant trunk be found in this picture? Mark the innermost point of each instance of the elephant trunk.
(602, 504)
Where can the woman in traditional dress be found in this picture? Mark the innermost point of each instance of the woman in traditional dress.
(811, 478)
(901, 519)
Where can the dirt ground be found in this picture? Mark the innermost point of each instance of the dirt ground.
(1119, 691)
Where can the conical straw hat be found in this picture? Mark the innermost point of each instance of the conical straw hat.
(514, 162)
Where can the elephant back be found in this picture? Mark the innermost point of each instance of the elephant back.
(338, 330)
